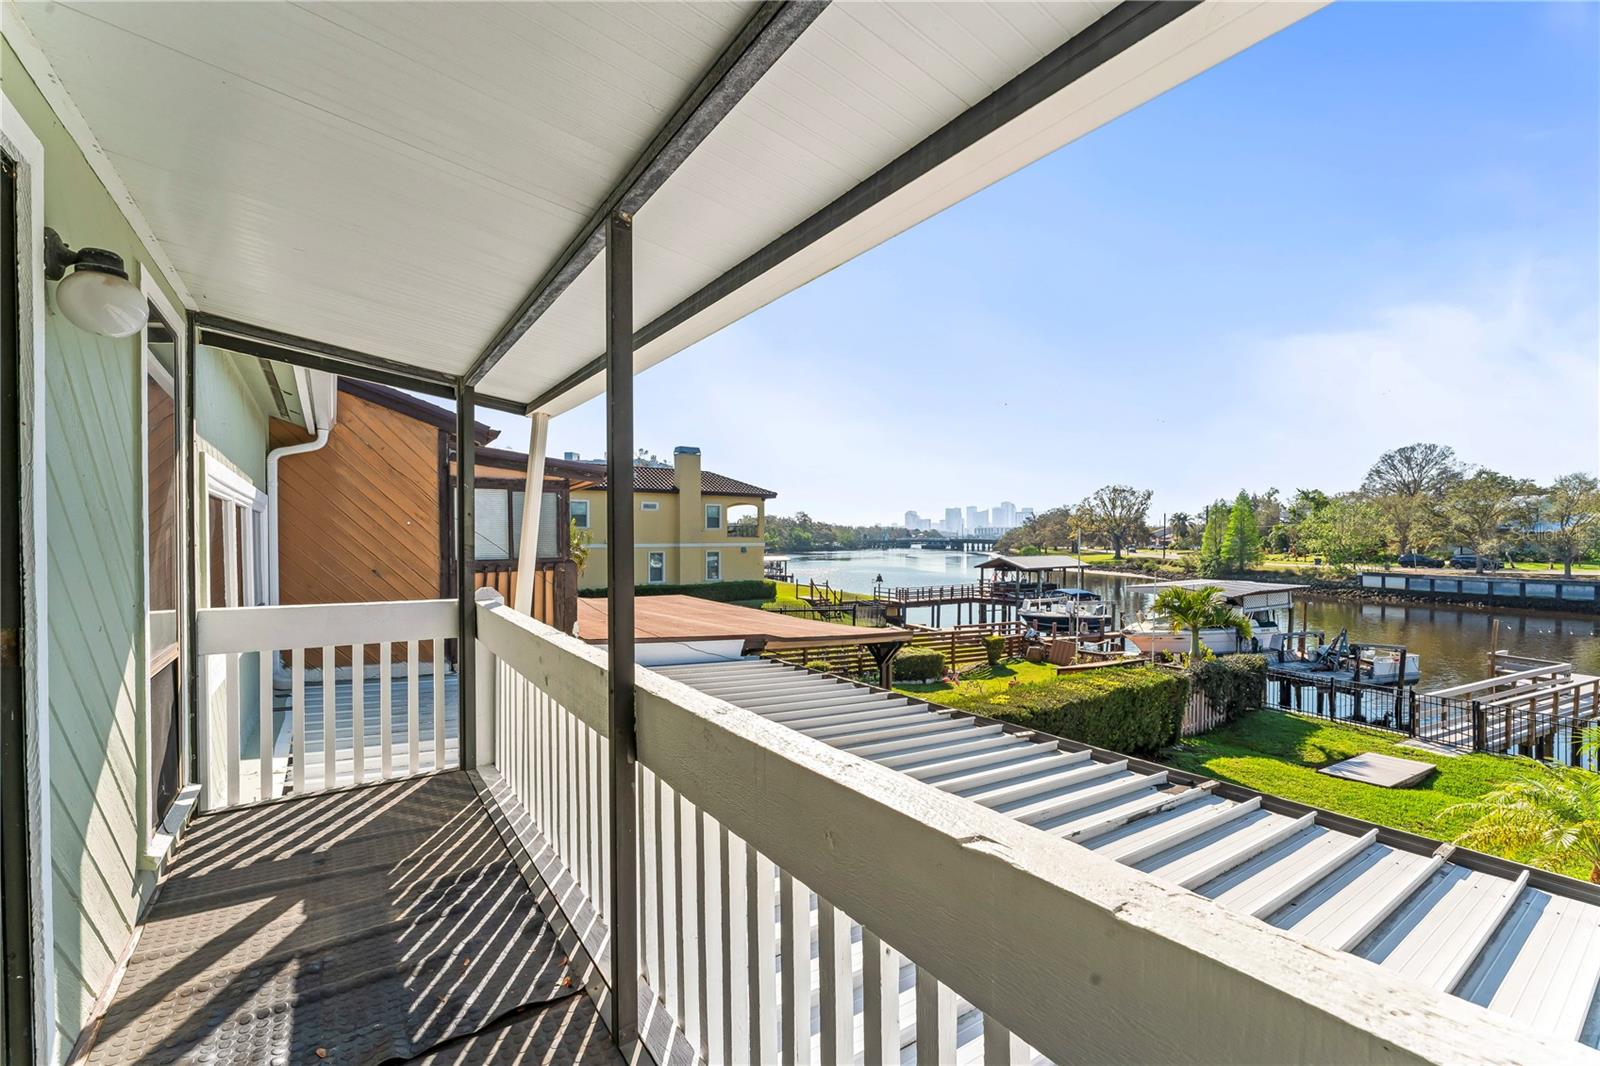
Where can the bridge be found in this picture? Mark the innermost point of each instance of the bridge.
(953, 542)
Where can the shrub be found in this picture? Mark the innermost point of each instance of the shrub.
(1133, 709)
(720, 591)
(821, 666)
(918, 664)
(994, 648)
(1234, 684)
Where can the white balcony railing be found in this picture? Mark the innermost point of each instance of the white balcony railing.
(799, 904)
(311, 697)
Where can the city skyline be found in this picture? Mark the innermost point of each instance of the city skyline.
(1000, 517)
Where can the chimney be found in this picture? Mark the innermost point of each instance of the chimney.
(691, 510)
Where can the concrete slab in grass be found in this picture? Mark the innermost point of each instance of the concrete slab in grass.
(1385, 771)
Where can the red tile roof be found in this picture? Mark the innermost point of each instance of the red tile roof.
(657, 479)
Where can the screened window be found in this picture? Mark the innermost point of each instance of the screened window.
(656, 570)
(650, 505)
(713, 566)
(713, 516)
(492, 524)
(497, 525)
(580, 513)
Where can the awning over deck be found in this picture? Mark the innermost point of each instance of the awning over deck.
(1031, 564)
(428, 183)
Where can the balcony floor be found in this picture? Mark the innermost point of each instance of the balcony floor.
(379, 925)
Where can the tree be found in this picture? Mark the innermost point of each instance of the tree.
(1179, 526)
(1241, 540)
(578, 541)
(1052, 529)
(1346, 530)
(1407, 483)
(1558, 814)
(1118, 513)
(1197, 609)
(1211, 538)
(1478, 506)
(1573, 506)
(1306, 503)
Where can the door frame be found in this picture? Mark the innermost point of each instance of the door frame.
(23, 148)
(158, 830)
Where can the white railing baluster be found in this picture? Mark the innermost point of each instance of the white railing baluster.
(794, 905)
(936, 1020)
(264, 718)
(671, 925)
(358, 711)
(759, 904)
(880, 1008)
(1001, 1046)
(438, 704)
(709, 963)
(330, 717)
(649, 881)
(735, 948)
(230, 724)
(413, 709)
(835, 983)
(297, 713)
(689, 1013)
(386, 708)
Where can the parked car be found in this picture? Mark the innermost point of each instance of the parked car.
(1468, 561)
(1414, 559)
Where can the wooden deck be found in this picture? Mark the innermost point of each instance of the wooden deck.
(375, 925)
(689, 618)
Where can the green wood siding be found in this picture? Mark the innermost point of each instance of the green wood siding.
(95, 604)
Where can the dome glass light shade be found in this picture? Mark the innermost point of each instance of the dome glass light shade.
(102, 303)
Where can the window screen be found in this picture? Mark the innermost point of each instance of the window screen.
(491, 524)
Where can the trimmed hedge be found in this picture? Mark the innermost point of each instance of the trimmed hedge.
(1133, 710)
(994, 647)
(918, 664)
(1233, 683)
(720, 591)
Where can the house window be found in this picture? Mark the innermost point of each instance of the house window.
(491, 524)
(713, 566)
(580, 513)
(497, 525)
(713, 516)
(650, 505)
(656, 570)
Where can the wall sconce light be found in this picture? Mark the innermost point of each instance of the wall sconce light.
(97, 296)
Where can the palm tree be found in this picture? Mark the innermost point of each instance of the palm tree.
(1559, 813)
(1197, 609)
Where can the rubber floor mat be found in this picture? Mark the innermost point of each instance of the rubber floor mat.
(356, 927)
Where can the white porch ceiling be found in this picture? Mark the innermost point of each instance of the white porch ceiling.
(394, 177)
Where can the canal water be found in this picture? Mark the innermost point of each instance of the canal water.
(1454, 643)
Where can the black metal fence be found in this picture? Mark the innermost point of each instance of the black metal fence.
(1542, 728)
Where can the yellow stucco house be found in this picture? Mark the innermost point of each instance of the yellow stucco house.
(692, 526)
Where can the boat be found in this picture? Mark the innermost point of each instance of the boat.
(1067, 612)
(1261, 602)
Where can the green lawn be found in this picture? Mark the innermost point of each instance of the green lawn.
(1279, 754)
(980, 681)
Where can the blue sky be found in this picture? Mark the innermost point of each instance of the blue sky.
(1379, 226)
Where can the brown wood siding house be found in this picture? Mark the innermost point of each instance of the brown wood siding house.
(367, 517)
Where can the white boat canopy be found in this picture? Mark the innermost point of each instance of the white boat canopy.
(1250, 595)
(424, 187)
